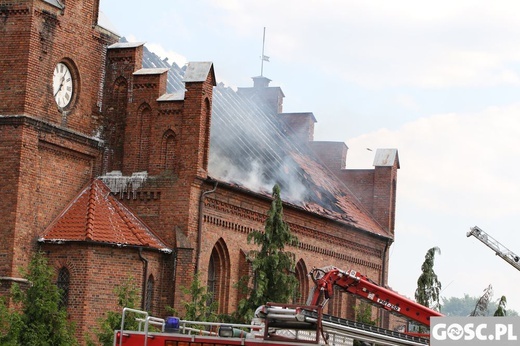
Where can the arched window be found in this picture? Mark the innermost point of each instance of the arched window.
(148, 300)
(303, 282)
(169, 141)
(63, 284)
(144, 132)
(218, 275)
(115, 127)
(212, 281)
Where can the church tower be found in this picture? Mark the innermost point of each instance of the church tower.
(52, 58)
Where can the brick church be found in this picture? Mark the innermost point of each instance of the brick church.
(118, 165)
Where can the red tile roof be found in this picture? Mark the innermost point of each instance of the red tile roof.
(95, 215)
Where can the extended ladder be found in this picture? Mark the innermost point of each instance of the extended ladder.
(500, 250)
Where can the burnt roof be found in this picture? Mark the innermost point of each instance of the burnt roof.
(250, 147)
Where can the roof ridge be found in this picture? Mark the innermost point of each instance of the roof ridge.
(129, 223)
(89, 234)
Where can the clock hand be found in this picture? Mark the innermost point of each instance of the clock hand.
(61, 85)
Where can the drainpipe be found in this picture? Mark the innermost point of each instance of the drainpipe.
(383, 275)
(174, 275)
(199, 226)
(145, 276)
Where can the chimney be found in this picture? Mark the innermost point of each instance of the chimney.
(301, 124)
(267, 98)
(332, 154)
(386, 164)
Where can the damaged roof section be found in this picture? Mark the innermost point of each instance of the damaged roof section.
(95, 215)
(251, 148)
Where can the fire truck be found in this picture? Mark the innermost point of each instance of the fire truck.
(288, 324)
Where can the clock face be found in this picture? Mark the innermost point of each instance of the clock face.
(62, 85)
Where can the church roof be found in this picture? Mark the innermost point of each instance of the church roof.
(95, 215)
(251, 148)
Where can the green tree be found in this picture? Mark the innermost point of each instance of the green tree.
(10, 325)
(39, 319)
(273, 268)
(126, 294)
(363, 313)
(454, 306)
(428, 285)
(501, 309)
(201, 306)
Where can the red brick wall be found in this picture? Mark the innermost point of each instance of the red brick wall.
(10, 153)
(331, 154)
(48, 165)
(302, 124)
(38, 36)
(45, 170)
(361, 183)
(385, 186)
(14, 55)
(231, 215)
(120, 66)
(93, 282)
(376, 189)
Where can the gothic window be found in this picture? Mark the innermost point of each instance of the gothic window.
(211, 280)
(218, 275)
(168, 150)
(143, 140)
(148, 300)
(115, 123)
(303, 282)
(120, 94)
(63, 284)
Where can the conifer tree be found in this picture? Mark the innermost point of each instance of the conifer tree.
(501, 309)
(272, 266)
(200, 306)
(127, 296)
(428, 285)
(41, 321)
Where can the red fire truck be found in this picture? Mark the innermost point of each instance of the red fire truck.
(285, 324)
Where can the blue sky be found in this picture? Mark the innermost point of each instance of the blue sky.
(439, 81)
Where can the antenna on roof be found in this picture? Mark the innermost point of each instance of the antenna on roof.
(264, 57)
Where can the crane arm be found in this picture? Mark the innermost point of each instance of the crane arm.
(327, 278)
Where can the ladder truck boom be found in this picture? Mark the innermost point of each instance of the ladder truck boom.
(351, 281)
(273, 325)
(287, 324)
(500, 250)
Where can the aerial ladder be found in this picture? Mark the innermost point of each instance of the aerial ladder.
(500, 250)
(353, 282)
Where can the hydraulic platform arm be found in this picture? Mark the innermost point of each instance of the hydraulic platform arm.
(500, 250)
(353, 282)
